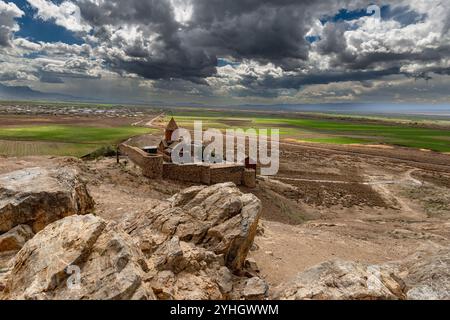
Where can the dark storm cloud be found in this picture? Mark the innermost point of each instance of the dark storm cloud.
(157, 51)
(113, 12)
(270, 31)
(270, 86)
(264, 30)
(366, 61)
(295, 82)
(332, 40)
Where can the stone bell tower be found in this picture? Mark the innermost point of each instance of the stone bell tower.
(170, 129)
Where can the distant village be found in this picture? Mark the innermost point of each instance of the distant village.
(69, 110)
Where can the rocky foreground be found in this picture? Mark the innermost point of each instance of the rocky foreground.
(191, 246)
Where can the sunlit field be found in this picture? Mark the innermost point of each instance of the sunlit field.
(336, 131)
(59, 140)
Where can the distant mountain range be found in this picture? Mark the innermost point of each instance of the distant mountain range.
(26, 93)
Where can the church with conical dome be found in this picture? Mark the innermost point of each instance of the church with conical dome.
(156, 163)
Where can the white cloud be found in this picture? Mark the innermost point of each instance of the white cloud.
(9, 9)
(66, 15)
(8, 25)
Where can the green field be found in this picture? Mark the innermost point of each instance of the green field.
(79, 140)
(333, 131)
(61, 140)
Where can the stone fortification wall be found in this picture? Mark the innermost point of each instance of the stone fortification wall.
(151, 165)
(195, 173)
(226, 173)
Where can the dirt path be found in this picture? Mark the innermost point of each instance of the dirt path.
(148, 124)
(137, 124)
(411, 178)
(406, 208)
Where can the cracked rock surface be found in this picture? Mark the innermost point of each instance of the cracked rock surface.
(39, 196)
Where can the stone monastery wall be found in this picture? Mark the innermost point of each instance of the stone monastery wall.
(227, 173)
(153, 166)
(196, 173)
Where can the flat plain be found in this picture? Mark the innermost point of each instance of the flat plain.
(64, 130)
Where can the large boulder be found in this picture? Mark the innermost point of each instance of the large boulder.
(217, 218)
(79, 257)
(196, 243)
(184, 271)
(37, 197)
(342, 280)
(423, 276)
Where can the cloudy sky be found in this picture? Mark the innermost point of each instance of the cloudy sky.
(229, 51)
